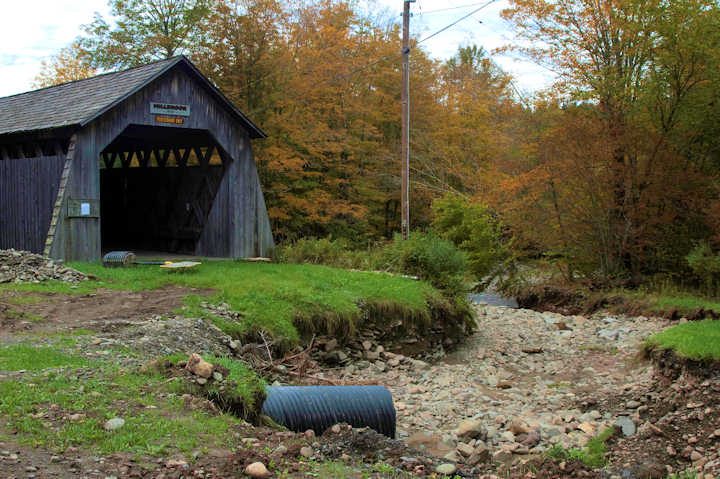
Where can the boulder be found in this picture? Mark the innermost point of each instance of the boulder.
(446, 469)
(198, 366)
(471, 429)
(257, 469)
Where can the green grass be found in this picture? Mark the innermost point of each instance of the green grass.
(593, 455)
(698, 340)
(667, 298)
(686, 303)
(157, 422)
(16, 315)
(689, 474)
(20, 300)
(23, 356)
(276, 298)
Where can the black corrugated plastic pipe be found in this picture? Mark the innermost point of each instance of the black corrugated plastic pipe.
(300, 408)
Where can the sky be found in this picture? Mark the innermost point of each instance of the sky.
(33, 30)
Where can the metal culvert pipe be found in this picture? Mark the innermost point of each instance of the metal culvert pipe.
(118, 258)
(300, 408)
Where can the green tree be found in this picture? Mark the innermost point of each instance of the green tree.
(144, 31)
(473, 229)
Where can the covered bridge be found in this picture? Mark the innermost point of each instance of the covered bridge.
(153, 158)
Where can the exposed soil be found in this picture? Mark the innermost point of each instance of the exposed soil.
(102, 311)
(678, 424)
(260, 444)
(586, 301)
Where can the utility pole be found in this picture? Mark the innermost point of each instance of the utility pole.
(405, 96)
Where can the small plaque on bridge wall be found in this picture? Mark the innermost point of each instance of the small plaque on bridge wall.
(173, 120)
(83, 208)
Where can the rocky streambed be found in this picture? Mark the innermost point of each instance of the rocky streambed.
(524, 382)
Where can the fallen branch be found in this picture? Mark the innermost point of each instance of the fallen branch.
(296, 355)
(267, 347)
(302, 376)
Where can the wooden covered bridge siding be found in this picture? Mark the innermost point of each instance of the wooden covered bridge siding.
(31, 172)
(237, 224)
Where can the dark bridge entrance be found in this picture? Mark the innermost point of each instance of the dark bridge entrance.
(158, 185)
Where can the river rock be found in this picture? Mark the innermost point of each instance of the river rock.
(609, 334)
(588, 428)
(446, 469)
(114, 423)
(465, 449)
(471, 429)
(458, 400)
(480, 454)
(257, 469)
(627, 425)
(453, 456)
(502, 456)
(331, 345)
(372, 355)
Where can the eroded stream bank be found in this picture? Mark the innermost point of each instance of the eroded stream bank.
(523, 382)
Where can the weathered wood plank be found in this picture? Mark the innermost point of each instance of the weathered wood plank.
(27, 194)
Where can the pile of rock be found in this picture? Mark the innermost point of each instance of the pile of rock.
(204, 371)
(362, 355)
(24, 267)
(221, 310)
(162, 336)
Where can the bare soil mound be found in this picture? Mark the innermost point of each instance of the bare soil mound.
(102, 311)
(679, 421)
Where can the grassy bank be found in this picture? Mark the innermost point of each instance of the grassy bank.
(279, 299)
(581, 298)
(664, 303)
(697, 340)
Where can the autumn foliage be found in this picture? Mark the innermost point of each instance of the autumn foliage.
(614, 169)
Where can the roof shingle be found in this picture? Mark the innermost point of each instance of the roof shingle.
(78, 102)
(72, 103)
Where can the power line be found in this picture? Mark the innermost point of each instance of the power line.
(485, 5)
(449, 8)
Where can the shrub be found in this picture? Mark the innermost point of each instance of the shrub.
(424, 255)
(705, 265)
(327, 251)
(472, 228)
(429, 257)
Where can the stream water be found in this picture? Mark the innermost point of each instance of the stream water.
(493, 299)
